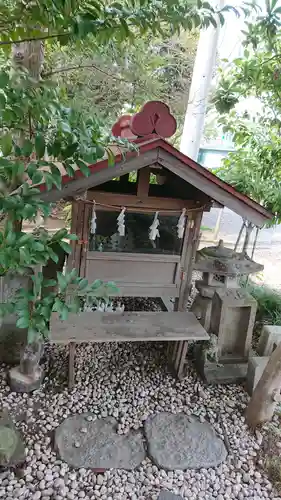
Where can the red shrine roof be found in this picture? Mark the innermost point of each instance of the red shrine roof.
(149, 129)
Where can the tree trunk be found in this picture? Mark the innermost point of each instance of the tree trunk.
(29, 56)
(267, 392)
(12, 338)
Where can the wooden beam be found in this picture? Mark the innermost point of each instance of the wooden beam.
(85, 239)
(100, 176)
(139, 203)
(74, 259)
(190, 259)
(143, 182)
(190, 245)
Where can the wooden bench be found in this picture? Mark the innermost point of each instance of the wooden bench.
(175, 327)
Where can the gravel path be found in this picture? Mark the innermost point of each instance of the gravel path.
(129, 382)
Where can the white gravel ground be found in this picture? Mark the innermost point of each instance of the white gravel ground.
(129, 382)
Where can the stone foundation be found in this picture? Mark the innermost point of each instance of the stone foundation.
(269, 339)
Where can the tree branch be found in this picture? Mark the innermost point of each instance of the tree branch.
(34, 39)
(82, 66)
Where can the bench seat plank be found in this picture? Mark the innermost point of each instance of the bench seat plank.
(127, 327)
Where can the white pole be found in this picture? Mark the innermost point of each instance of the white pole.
(200, 85)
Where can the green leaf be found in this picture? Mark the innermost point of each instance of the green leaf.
(64, 313)
(65, 127)
(19, 168)
(53, 256)
(69, 169)
(47, 283)
(56, 176)
(11, 238)
(4, 79)
(58, 305)
(62, 282)
(23, 322)
(27, 147)
(83, 284)
(65, 246)
(3, 99)
(48, 180)
(69, 151)
(96, 284)
(24, 256)
(39, 247)
(83, 167)
(40, 145)
(6, 144)
(72, 237)
(110, 157)
(55, 148)
(24, 239)
(62, 233)
(37, 177)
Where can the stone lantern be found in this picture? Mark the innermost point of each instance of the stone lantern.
(225, 310)
(222, 268)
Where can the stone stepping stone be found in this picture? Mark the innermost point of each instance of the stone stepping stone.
(181, 442)
(12, 449)
(84, 442)
(167, 495)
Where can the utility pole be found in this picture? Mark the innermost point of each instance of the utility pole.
(200, 85)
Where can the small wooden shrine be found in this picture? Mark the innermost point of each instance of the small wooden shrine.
(138, 222)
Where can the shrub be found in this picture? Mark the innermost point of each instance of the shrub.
(269, 303)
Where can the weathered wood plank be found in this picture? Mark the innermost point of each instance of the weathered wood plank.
(85, 238)
(74, 259)
(133, 257)
(189, 259)
(143, 182)
(135, 203)
(128, 326)
(142, 289)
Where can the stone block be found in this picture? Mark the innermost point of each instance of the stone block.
(214, 373)
(270, 337)
(232, 320)
(84, 441)
(229, 373)
(179, 442)
(20, 382)
(202, 309)
(12, 448)
(256, 367)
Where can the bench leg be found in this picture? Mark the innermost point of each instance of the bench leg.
(71, 365)
(174, 352)
(181, 361)
(170, 350)
(177, 357)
